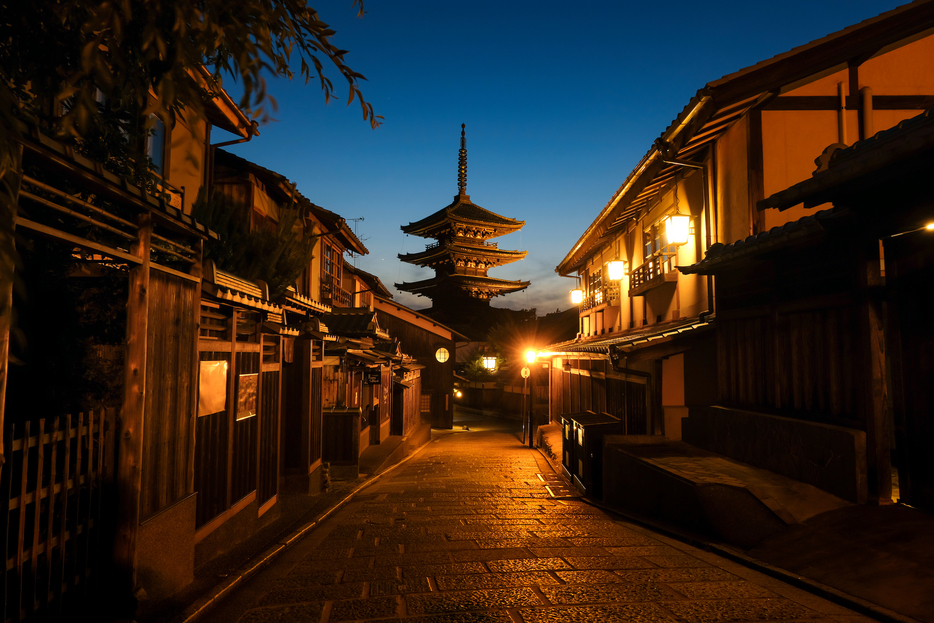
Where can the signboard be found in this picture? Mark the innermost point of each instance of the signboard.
(526, 372)
(248, 395)
(373, 376)
(212, 387)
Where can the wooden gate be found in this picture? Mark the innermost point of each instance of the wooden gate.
(57, 502)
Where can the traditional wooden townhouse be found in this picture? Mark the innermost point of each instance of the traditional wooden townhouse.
(823, 321)
(657, 352)
(101, 407)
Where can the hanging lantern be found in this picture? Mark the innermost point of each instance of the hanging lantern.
(677, 228)
(577, 296)
(616, 270)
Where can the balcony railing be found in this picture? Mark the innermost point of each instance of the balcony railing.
(600, 296)
(333, 294)
(659, 269)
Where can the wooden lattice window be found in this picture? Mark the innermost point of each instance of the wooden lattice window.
(425, 405)
(215, 322)
(271, 349)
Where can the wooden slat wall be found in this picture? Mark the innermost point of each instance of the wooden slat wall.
(245, 448)
(341, 437)
(799, 360)
(54, 504)
(317, 410)
(412, 410)
(211, 442)
(170, 412)
(268, 480)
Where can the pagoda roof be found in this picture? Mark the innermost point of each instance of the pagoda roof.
(462, 211)
(439, 251)
(427, 287)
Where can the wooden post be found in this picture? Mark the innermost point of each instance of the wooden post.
(197, 270)
(132, 417)
(872, 384)
(8, 209)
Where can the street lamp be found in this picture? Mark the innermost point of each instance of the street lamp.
(530, 356)
(489, 363)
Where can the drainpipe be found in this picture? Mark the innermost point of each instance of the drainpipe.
(706, 195)
(246, 139)
(865, 101)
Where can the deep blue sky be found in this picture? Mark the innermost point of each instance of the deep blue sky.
(561, 101)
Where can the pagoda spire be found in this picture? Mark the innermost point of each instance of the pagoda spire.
(462, 163)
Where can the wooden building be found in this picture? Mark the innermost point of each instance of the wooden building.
(461, 256)
(650, 348)
(432, 348)
(114, 424)
(842, 338)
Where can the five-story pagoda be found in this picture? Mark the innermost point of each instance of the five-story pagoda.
(461, 255)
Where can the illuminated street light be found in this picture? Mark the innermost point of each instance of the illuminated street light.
(677, 228)
(489, 363)
(530, 356)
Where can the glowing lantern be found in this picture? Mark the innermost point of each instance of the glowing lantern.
(577, 295)
(677, 228)
(616, 269)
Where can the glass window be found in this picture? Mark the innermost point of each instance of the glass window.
(155, 146)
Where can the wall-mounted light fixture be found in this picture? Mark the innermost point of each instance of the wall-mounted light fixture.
(616, 269)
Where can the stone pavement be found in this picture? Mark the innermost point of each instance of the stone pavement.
(476, 528)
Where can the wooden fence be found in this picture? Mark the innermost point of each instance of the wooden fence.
(55, 499)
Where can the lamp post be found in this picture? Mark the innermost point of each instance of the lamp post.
(489, 364)
(527, 374)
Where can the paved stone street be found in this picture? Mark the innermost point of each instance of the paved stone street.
(477, 528)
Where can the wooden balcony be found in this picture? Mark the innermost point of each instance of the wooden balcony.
(333, 294)
(659, 269)
(601, 296)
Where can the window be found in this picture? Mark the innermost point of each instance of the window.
(657, 245)
(595, 286)
(155, 146)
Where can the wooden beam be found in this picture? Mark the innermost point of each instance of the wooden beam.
(84, 243)
(130, 424)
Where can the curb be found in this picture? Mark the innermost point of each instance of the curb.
(841, 598)
(251, 568)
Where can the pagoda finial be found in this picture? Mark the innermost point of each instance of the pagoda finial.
(462, 162)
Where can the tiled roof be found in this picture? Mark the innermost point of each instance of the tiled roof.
(462, 209)
(853, 165)
(639, 337)
(720, 254)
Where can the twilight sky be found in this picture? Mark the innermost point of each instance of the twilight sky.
(561, 101)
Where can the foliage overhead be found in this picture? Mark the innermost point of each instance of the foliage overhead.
(276, 255)
(100, 71)
(143, 55)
